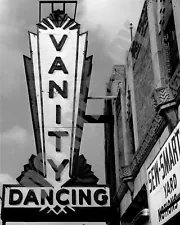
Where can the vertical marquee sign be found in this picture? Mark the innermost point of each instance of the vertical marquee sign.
(58, 76)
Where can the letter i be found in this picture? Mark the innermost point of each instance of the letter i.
(73, 197)
(58, 114)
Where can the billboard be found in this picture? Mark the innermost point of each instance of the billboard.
(163, 180)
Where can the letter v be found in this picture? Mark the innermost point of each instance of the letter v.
(59, 45)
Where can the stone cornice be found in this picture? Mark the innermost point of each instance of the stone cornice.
(169, 95)
(162, 96)
(157, 126)
(130, 171)
(122, 189)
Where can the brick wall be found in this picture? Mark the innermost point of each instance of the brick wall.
(144, 86)
(120, 139)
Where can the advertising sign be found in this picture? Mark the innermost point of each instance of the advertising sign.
(164, 180)
(58, 76)
(53, 205)
(57, 67)
(58, 56)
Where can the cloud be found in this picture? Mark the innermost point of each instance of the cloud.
(105, 16)
(92, 147)
(3, 7)
(14, 25)
(109, 17)
(6, 179)
(110, 20)
(10, 71)
(15, 136)
(16, 147)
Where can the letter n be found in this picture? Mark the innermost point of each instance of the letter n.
(63, 93)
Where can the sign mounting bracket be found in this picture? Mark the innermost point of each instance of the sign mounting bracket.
(57, 2)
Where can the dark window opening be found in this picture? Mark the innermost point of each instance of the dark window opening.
(131, 128)
(171, 46)
(130, 124)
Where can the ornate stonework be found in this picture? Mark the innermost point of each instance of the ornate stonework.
(163, 97)
(175, 83)
(166, 99)
(130, 171)
(125, 172)
(58, 18)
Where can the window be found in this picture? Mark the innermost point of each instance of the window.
(130, 123)
(171, 46)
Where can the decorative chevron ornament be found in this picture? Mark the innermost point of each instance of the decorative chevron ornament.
(85, 176)
(162, 96)
(32, 175)
(58, 20)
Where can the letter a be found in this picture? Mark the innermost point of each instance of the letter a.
(58, 65)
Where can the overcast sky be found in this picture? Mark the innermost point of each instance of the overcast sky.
(108, 24)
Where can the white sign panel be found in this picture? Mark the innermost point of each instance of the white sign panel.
(58, 54)
(66, 204)
(164, 180)
(23, 197)
(58, 76)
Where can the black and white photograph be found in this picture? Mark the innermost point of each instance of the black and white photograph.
(90, 112)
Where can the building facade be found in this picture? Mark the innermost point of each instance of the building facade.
(142, 148)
